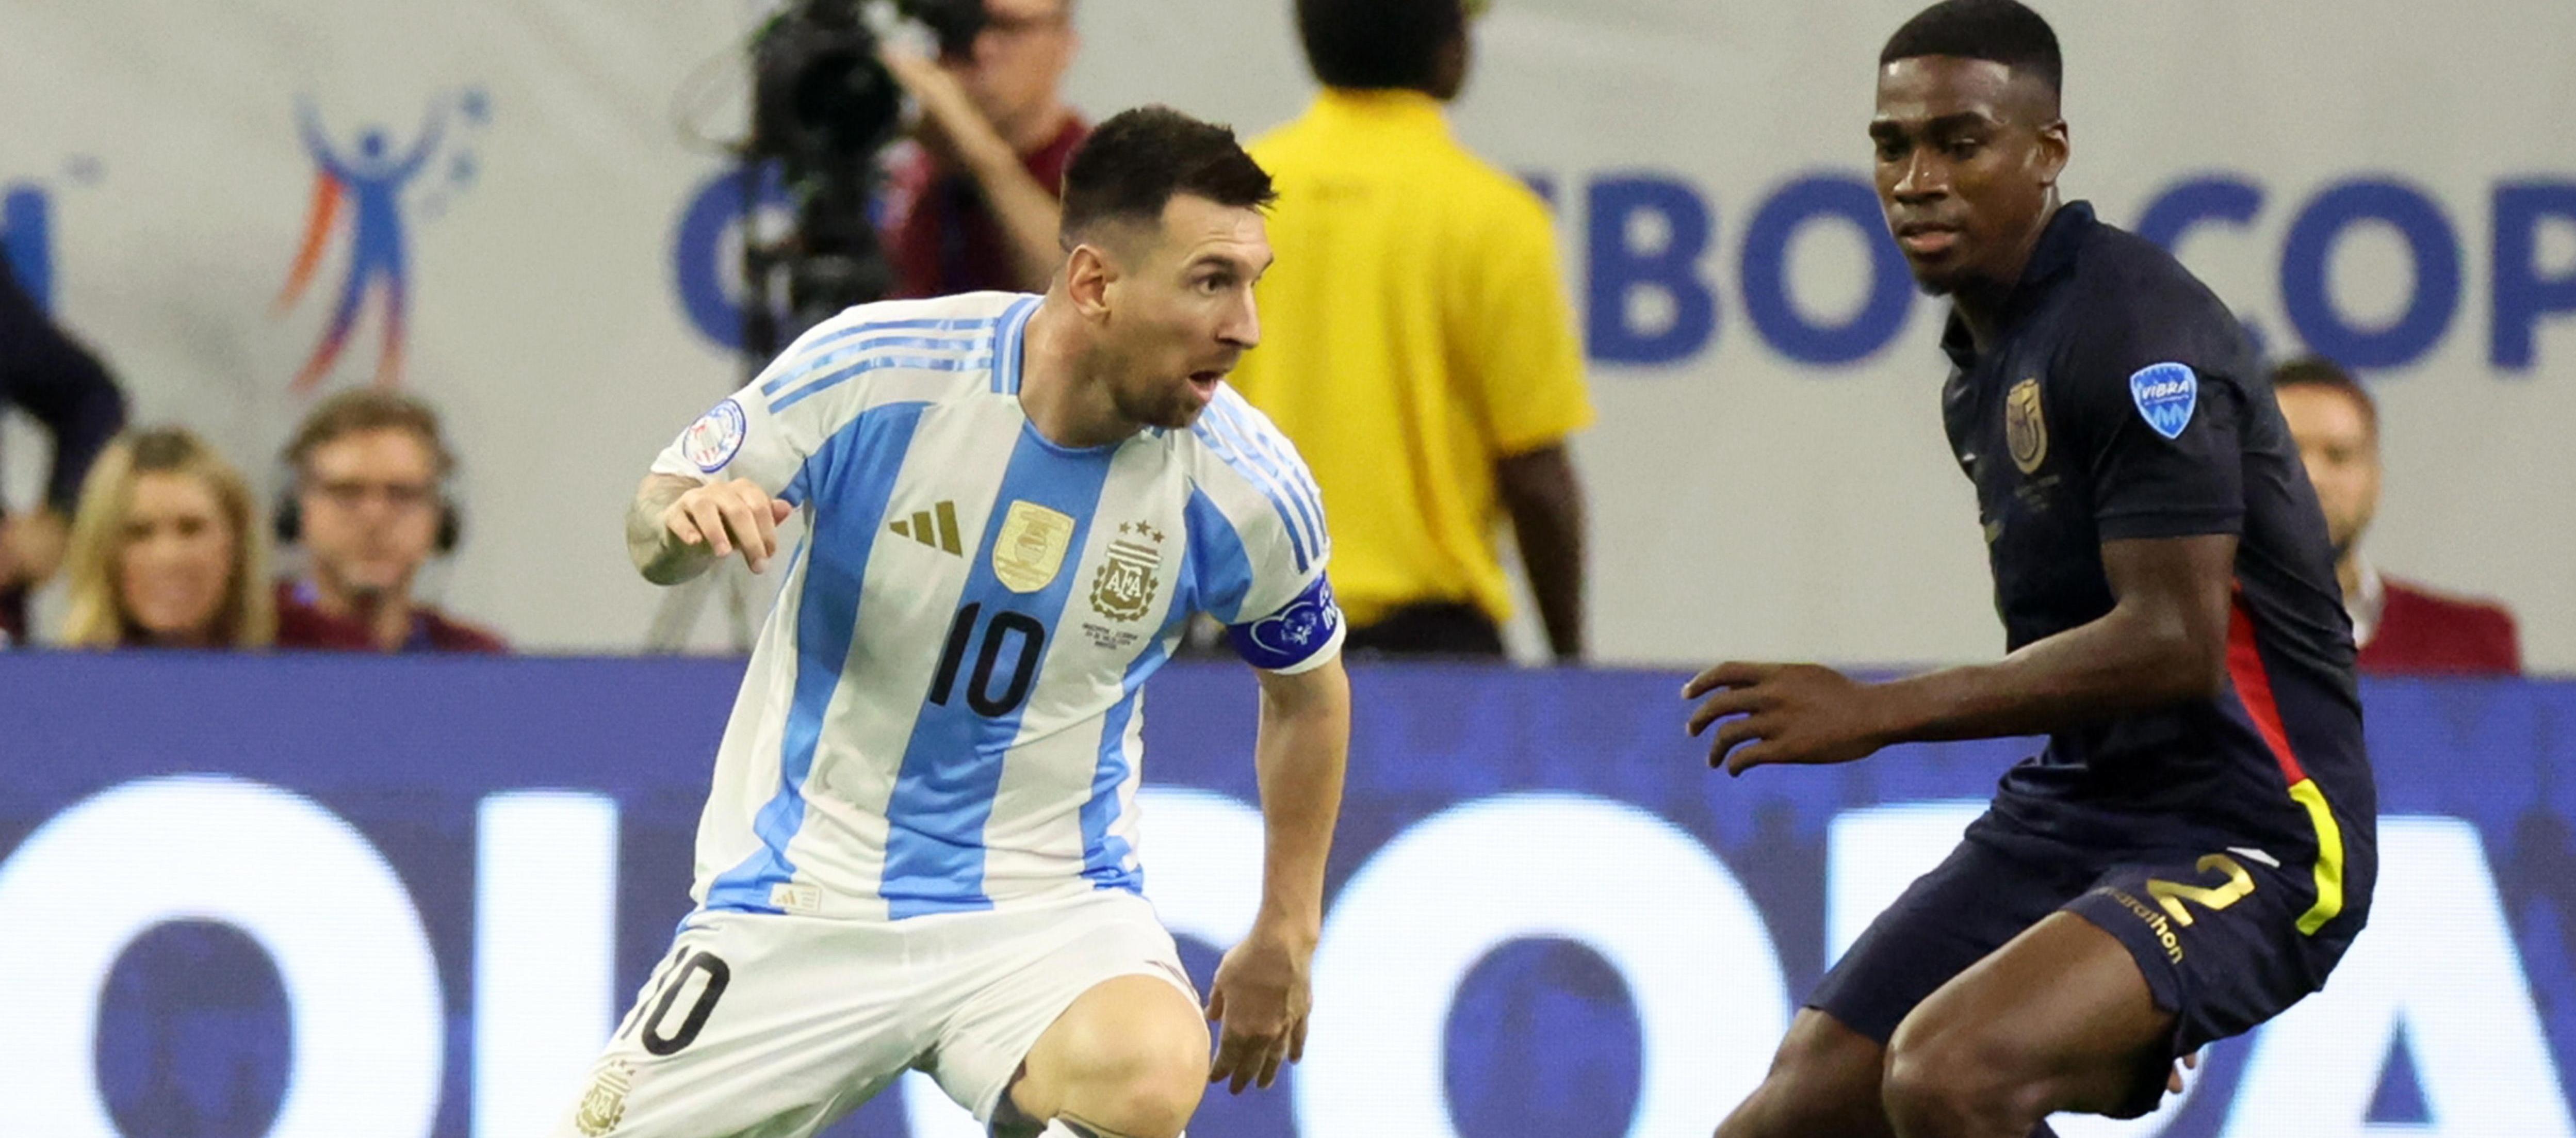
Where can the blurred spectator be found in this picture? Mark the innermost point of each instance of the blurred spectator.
(1416, 342)
(166, 550)
(2400, 627)
(972, 205)
(370, 508)
(52, 378)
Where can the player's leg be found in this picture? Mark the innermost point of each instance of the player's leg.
(1825, 1080)
(753, 1026)
(1129, 1059)
(1077, 1015)
(2059, 1019)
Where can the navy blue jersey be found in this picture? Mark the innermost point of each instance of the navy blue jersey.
(2121, 400)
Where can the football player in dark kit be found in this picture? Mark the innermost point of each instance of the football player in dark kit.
(2194, 848)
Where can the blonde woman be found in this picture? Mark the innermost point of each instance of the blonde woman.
(165, 550)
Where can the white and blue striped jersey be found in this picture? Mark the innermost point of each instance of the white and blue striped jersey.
(944, 711)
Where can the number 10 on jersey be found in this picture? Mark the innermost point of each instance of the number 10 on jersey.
(1007, 629)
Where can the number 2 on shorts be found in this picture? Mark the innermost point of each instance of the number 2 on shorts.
(2171, 894)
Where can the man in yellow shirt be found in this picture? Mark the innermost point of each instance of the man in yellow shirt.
(1417, 343)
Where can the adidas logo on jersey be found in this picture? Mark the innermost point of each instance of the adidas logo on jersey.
(920, 527)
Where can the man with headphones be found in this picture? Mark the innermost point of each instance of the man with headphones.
(369, 506)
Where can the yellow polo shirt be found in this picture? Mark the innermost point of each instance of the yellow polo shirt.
(1413, 331)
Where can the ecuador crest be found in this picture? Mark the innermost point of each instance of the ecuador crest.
(1029, 551)
(2025, 429)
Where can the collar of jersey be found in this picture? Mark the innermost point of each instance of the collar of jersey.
(2051, 258)
(1029, 427)
(1381, 108)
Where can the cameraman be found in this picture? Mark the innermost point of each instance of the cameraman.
(973, 205)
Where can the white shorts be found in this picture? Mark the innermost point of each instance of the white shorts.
(775, 1026)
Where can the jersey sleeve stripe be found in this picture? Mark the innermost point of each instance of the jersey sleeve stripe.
(1211, 429)
(824, 361)
(1291, 474)
(836, 378)
(805, 352)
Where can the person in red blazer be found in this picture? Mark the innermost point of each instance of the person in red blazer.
(2401, 628)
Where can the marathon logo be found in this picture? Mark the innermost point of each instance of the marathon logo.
(2155, 921)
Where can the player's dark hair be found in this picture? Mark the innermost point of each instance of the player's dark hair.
(2325, 375)
(1139, 160)
(1376, 44)
(1997, 31)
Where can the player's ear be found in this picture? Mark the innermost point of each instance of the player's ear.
(1088, 273)
(2055, 148)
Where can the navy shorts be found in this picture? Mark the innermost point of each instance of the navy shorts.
(2217, 934)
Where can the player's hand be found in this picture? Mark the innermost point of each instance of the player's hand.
(721, 517)
(2173, 1081)
(1783, 713)
(1260, 1000)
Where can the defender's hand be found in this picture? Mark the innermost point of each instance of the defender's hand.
(721, 517)
(2173, 1081)
(1787, 713)
(1260, 1000)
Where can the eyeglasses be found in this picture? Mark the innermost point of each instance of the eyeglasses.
(352, 494)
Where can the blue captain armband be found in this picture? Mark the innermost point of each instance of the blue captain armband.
(1301, 633)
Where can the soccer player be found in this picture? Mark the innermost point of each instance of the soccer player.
(2193, 850)
(921, 850)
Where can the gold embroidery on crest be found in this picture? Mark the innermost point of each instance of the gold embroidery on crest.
(2025, 429)
(1124, 587)
(1029, 551)
(604, 1106)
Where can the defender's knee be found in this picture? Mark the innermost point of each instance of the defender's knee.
(1941, 1083)
(1823, 1082)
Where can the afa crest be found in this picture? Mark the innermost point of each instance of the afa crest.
(1029, 551)
(604, 1105)
(1124, 587)
(2025, 428)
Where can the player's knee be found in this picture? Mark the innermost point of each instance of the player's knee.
(1143, 1097)
(1823, 1080)
(1137, 1075)
(1957, 1082)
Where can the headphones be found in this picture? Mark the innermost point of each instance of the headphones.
(350, 412)
(289, 519)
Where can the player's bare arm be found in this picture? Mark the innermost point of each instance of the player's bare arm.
(1262, 991)
(2164, 641)
(679, 526)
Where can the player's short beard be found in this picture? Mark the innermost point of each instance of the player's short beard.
(1156, 406)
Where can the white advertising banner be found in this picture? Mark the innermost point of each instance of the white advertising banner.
(499, 206)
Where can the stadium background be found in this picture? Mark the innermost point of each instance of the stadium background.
(1766, 478)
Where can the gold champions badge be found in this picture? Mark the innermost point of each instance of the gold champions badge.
(605, 1104)
(1030, 549)
(1123, 589)
(2025, 430)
